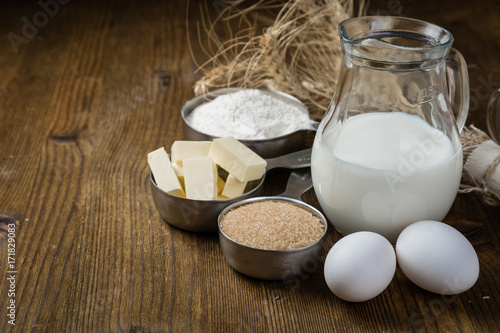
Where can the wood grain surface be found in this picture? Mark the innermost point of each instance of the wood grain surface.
(87, 89)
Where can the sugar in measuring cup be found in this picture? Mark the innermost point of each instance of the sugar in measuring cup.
(274, 237)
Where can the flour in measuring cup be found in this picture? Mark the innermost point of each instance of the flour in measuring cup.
(250, 114)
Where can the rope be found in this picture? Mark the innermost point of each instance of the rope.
(471, 139)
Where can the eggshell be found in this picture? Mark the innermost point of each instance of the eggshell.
(437, 257)
(360, 266)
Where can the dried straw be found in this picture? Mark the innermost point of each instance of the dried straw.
(292, 54)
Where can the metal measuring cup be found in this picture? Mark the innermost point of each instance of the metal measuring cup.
(266, 148)
(201, 215)
(276, 264)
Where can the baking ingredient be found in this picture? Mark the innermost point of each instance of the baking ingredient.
(360, 266)
(237, 159)
(437, 257)
(164, 174)
(200, 178)
(220, 186)
(233, 187)
(179, 172)
(249, 114)
(203, 173)
(382, 171)
(182, 150)
(272, 225)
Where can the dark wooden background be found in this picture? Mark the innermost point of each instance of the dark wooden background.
(86, 95)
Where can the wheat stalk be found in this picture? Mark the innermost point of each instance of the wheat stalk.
(299, 53)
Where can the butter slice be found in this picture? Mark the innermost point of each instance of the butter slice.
(200, 178)
(182, 150)
(163, 172)
(237, 159)
(233, 187)
(179, 172)
(220, 185)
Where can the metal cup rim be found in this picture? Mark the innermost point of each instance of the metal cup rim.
(277, 198)
(187, 108)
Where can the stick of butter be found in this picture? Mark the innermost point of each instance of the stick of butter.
(220, 185)
(182, 150)
(233, 187)
(237, 159)
(163, 172)
(179, 172)
(200, 178)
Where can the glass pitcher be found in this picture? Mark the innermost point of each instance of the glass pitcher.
(388, 152)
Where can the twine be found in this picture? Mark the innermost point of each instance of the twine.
(471, 138)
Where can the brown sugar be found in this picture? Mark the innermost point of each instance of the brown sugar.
(272, 225)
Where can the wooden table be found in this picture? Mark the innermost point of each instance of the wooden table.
(87, 89)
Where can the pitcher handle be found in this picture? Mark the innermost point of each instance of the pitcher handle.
(458, 86)
(493, 116)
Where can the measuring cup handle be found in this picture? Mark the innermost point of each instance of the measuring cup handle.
(295, 160)
(300, 182)
(458, 86)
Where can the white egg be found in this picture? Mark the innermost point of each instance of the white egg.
(437, 257)
(360, 266)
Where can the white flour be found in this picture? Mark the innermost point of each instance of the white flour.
(249, 114)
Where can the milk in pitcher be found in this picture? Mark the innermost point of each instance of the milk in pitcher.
(381, 171)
